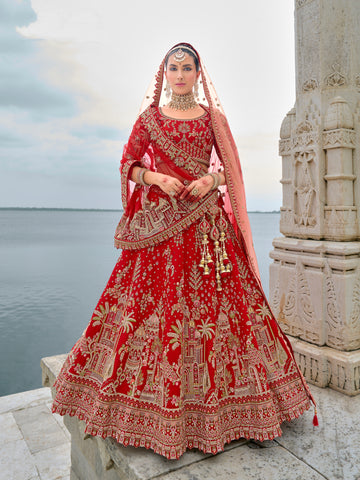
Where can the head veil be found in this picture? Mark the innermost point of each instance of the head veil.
(224, 156)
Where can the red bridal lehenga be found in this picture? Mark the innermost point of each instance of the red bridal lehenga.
(182, 350)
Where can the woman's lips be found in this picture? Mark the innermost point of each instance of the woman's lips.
(180, 84)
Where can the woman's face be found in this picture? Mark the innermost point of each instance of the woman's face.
(181, 75)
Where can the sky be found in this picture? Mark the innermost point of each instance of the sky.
(73, 74)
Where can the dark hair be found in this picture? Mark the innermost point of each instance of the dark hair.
(187, 50)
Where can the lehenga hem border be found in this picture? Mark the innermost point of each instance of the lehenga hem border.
(173, 452)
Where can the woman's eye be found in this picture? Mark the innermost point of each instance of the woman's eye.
(173, 69)
(187, 68)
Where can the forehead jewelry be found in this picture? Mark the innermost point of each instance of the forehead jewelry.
(179, 55)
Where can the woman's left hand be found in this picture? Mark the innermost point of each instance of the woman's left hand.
(197, 189)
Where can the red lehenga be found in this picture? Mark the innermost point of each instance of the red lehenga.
(173, 357)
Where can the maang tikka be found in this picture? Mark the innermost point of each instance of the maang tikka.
(179, 56)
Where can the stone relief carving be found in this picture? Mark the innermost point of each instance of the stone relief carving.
(304, 189)
(275, 305)
(337, 376)
(309, 367)
(305, 135)
(285, 147)
(336, 78)
(354, 324)
(296, 312)
(304, 127)
(341, 137)
(310, 85)
(333, 318)
(340, 216)
(305, 308)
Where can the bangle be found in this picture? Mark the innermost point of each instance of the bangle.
(140, 177)
(216, 178)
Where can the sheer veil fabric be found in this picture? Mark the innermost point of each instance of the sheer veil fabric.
(224, 156)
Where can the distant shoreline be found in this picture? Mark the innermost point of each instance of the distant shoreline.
(50, 209)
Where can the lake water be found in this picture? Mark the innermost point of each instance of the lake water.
(54, 265)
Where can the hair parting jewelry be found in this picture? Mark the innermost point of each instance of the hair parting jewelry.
(182, 102)
(140, 177)
(179, 55)
(180, 51)
(185, 49)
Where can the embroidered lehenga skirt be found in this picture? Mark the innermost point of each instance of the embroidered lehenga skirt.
(168, 362)
(175, 359)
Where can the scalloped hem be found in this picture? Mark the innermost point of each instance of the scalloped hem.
(174, 452)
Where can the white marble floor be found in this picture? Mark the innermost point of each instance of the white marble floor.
(34, 444)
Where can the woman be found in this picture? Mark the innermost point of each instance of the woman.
(182, 350)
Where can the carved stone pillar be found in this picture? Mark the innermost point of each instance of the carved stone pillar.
(315, 276)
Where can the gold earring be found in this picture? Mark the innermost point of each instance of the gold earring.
(167, 89)
(196, 89)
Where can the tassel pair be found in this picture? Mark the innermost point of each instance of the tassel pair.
(217, 233)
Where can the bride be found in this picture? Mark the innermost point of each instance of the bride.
(182, 350)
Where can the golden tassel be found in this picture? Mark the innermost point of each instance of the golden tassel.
(215, 235)
(226, 265)
(206, 259)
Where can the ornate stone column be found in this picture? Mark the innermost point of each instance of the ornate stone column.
(315, 276)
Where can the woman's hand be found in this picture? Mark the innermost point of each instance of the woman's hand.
(198, 189)
(170, 185)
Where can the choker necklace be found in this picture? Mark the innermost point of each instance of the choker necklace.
(182, 102)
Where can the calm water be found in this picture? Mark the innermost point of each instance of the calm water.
(54, 266)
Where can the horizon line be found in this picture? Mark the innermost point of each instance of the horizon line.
(101, 209)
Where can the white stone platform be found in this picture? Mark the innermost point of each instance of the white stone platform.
(34, 445)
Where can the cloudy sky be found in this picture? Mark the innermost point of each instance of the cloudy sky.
(73, 74)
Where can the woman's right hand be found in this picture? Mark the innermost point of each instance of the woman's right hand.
(170, 185)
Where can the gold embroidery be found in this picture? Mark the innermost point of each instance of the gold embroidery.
(172, 150)
(151, 225)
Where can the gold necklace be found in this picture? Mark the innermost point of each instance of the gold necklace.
(182, 102)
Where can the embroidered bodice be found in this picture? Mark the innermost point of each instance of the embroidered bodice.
(180, 148)
(195, 136)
